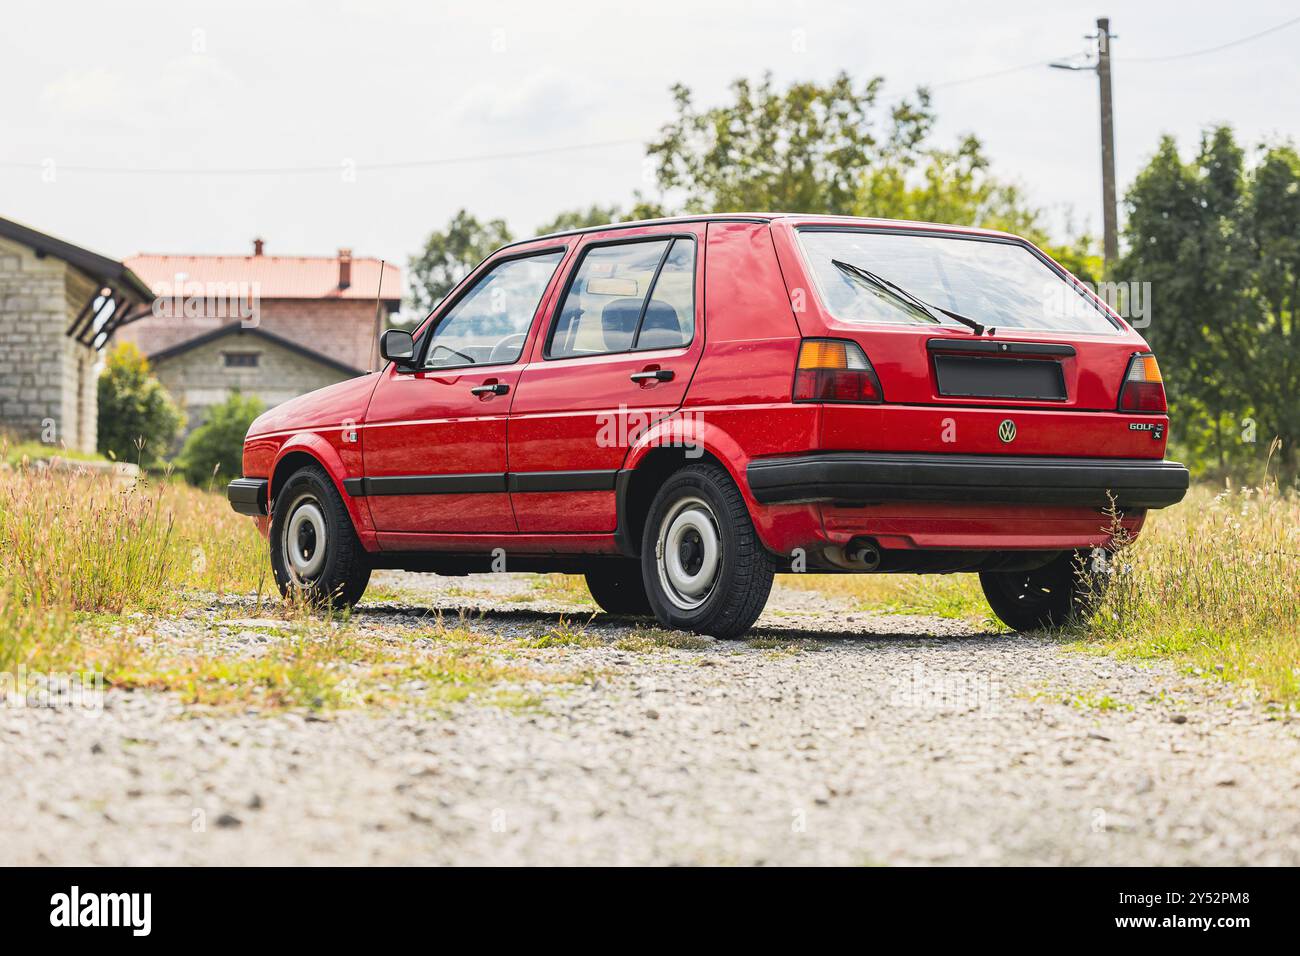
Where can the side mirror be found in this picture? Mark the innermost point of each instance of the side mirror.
(396, 345)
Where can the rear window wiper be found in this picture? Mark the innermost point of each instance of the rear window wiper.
(913, 302)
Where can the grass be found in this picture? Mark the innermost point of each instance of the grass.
(644, 639)
(944, 595)
(563, 634)
(313, 663)
(91, 569)
(89, 566)
(1101, 702)
(1214, 585)
(565, 588)
(92, 543)
(20, 454)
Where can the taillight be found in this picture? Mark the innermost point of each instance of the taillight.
(1144, 389)
(835, 370)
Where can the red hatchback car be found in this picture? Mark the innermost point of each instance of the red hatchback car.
(679, 409)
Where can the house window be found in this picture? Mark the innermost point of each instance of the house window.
(241, 359)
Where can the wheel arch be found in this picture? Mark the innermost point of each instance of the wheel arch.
(311, 449)
(636, 487)
(671, 443)
(687, 438)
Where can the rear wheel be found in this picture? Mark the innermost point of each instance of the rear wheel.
(315, 552)
(1063, 591)
(619, 589)
(704, 568)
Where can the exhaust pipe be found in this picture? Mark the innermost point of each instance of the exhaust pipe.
(864, 552)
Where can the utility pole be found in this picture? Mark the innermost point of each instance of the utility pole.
(1109, 212)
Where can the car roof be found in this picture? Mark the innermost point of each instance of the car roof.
(794, 219)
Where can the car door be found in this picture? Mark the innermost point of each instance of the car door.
(435, 437)
(621, 344)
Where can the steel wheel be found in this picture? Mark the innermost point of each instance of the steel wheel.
(305, 541)
(688, 553)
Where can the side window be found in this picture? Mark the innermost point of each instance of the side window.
(670, 317)
(606, 307)
(489, 324)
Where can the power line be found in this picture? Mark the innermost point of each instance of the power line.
(989, 76)
(1127, 59)
(1211, 49)
(344, 165)
(336, 168)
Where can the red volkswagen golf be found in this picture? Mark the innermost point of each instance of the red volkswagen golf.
(679, 409)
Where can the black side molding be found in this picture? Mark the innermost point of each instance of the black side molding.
(493, 482)
(522, 481)
(426, 484)
(870, 478)
(248, 495)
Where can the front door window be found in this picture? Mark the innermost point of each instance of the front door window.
(489, 324)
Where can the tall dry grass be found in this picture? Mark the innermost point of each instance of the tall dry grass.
(1213, 583)
(95, 543)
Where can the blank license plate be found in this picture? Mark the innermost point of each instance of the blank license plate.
(970, 376)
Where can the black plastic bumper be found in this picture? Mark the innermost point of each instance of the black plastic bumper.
(868, 478)
(247, 495)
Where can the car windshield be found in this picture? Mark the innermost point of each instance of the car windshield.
(998, 283)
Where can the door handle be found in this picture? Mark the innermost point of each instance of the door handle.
(494, 388)
(655, 375)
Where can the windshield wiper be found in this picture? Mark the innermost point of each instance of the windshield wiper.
(911, 301)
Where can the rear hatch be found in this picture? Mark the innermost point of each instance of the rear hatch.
(1048, 350)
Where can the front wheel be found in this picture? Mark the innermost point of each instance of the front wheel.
(704, 567)
(1063, 591)
(315, 552)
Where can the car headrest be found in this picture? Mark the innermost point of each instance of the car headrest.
(661, 328)
(618, 323)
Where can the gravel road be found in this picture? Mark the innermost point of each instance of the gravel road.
(832, 737)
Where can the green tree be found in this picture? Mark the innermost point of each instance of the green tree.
(137, 420)
(798, 150)
(1219, 241)
(593, 215)
(956, 186)
(449, 254)
(830, 149)
(598, 215)
(214, 452)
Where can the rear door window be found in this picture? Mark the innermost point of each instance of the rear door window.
(630, 296)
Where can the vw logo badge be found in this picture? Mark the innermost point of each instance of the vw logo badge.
(1007, 431)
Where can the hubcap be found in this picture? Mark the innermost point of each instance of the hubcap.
(304, 541)
(688, 553)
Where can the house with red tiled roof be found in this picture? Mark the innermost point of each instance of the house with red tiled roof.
(265, 325)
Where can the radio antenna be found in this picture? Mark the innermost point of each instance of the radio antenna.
(379, 324)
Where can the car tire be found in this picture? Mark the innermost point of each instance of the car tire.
(333, 571)
(1062, 592)
(619, 589)
(704, 567)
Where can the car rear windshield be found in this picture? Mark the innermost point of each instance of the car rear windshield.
(999, 283)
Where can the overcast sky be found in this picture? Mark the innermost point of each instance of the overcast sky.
(236, 85)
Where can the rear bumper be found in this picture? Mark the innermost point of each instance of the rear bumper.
(247, 495)
(871, 477)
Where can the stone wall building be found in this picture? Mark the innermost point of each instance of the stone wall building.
(265, 325)
(59, 304)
